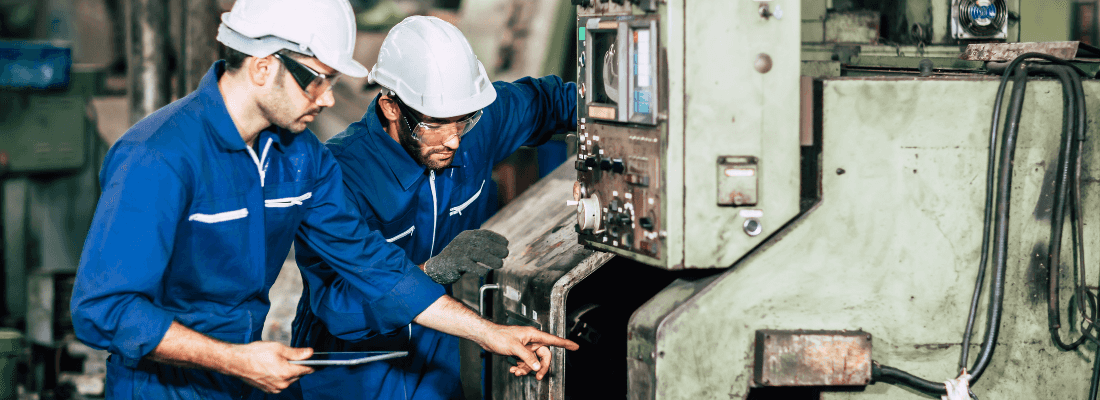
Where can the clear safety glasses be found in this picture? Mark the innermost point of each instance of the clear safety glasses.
(312, 82)
(436, 134)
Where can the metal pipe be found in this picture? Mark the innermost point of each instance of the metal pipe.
(198, 48)
(148, 86)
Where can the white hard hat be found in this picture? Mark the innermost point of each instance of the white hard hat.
(431, 67)
(320, 28)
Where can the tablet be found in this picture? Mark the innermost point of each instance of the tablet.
(349, 357)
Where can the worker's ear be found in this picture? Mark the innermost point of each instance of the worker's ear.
(389, 108)
(261, 70)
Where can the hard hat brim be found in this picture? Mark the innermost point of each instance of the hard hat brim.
(268, 45)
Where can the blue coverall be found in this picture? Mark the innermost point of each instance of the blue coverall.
(421, 211)
(194, 226)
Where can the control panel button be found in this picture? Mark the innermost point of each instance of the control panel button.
(646, 223)
(605, 164)
(590, 162)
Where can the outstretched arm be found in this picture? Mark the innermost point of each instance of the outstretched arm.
(449, 316)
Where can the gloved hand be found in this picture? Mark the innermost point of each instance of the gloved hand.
(464, 254)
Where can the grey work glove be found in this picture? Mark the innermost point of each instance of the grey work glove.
(474, 251)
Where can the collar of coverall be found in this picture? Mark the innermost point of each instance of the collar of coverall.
(216, 115)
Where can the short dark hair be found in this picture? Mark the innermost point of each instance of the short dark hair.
(234, 59)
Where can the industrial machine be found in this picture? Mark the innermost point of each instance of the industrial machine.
(754, 217)
(49, 162)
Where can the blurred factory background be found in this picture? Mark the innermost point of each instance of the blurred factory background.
(77, 73)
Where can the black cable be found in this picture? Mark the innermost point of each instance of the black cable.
(994, 125)
(1095, 382)
(1000, 245)
(1071, 111)
(1018, 73)
(1076, 216)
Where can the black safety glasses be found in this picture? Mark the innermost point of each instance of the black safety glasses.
(312, 82)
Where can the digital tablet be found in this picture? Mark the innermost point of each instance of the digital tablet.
(349, 357)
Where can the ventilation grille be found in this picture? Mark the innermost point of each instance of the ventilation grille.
(979, 19)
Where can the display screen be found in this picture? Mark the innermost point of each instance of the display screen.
(605, 66)
(643, 77)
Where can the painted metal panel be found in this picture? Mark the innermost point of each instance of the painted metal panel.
(891, 248)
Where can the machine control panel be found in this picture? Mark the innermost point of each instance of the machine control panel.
(685, 165)
(619, 191)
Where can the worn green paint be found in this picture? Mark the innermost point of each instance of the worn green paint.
(731, 109)
(892, 249)
(1045, 20)
(820, 68)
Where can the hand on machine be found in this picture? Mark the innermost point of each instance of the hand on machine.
(475, 251)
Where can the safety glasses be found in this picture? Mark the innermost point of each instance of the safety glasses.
(312, 82)
(435, 134)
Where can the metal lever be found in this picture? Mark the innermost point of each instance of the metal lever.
(481, 297)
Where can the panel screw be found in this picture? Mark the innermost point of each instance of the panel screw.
(840, 171)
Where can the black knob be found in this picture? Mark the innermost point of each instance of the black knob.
(623, 218)
(646, 223)
(590, 162)
(617, 166)
(605, 164)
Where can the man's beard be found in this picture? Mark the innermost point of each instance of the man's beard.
(277, 110)
(416, 149)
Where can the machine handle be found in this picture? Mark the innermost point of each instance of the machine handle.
(481, 297)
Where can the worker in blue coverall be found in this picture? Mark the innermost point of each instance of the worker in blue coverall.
(418, 167)
(201, 202)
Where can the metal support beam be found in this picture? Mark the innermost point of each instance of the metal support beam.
(146, 57)
(198, 48)
(15, 257)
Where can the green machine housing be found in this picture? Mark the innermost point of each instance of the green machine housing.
(686, 165)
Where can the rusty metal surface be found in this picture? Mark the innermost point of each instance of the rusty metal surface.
(1008, 51)
(545, 260)
(812, 358)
